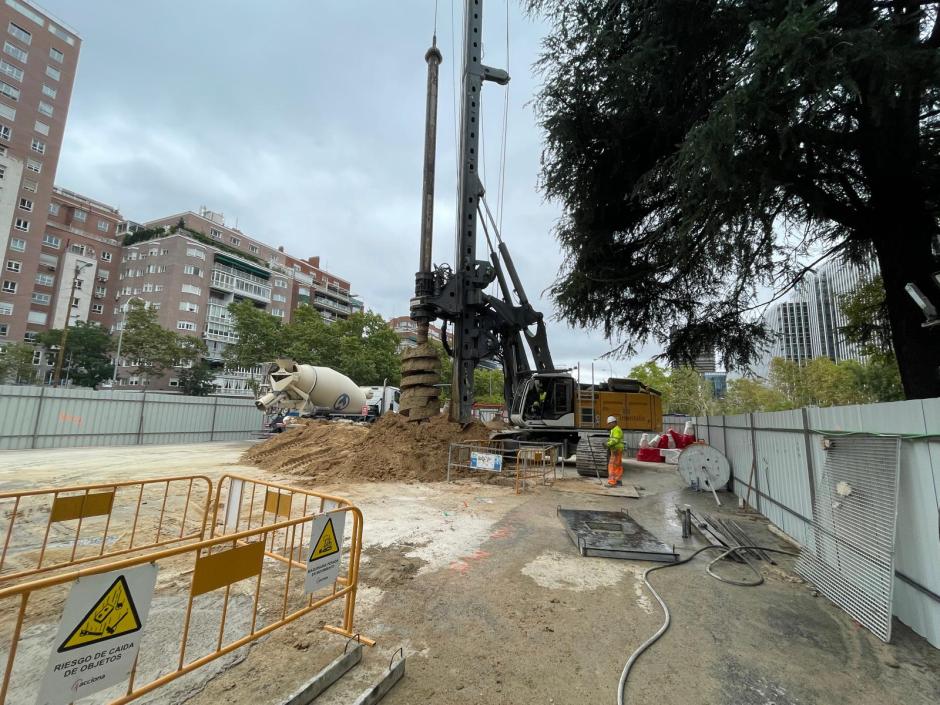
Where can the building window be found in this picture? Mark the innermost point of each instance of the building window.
(12, 71)
(185, 325)
(49, 91)
(174, 382)
(253, 249)
(190, 269)
(45, 279)
(14, 266)
(5, 133)
(80, 215)
(216, 233)
(279, 297)
(40, 318)
(236, 241)
(277, 312)
(9, 287)
(20, 33)
(4, 327)
(42, 299)
(103, 226)
(18, 244)
(76, 302)
(45, 109)
(78, 283)
(21, 224)
(280, 283)
(53, 73)
(6, 309)
(30, 185)
(190, 289)
(15, 52)
(133, 381)
(3, 170)
(105, 256)
(188, 306)
(158, 287)
(101, 291)
(147, 288)
(7, 112)
(77, 248)
(53, 209)
(38, 146)
(61, 34)
(193, 252)
(33, 165)
(51, 241)
(26, 204)
(41, 127)
(56, 55)
(97, 308)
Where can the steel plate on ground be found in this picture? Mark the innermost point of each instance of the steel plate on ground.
(613, 535)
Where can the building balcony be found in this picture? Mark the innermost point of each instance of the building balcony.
(231, 280)
(330, 304)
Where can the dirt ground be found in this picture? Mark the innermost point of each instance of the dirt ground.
(492, 603)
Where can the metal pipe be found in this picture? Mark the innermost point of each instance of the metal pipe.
(424, 281)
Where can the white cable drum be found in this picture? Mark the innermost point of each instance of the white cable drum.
(705, 466)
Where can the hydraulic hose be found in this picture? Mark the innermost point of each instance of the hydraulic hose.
(726, 552)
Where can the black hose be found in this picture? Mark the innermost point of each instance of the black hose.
(726, 552)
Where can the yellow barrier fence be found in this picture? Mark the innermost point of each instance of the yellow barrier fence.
(274, 554)
(53, 528)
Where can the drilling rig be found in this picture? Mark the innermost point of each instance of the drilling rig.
(545, 403)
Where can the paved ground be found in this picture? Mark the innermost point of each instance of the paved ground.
(492, 604)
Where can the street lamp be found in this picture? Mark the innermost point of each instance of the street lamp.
(117, 356)
(79, 268)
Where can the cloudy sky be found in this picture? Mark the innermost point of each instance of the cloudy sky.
(304, 120)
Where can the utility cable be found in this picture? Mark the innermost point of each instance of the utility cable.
(726, 552)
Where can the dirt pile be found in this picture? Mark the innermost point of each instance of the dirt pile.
(390, 449)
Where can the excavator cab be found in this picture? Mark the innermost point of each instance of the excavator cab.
(545, 400)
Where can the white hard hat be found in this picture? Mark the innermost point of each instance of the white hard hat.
(611, 419)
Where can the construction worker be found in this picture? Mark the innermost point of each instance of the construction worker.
(615, 448)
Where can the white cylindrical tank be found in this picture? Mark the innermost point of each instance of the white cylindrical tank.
(323, 387)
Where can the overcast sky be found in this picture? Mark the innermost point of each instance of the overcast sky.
(304, 120)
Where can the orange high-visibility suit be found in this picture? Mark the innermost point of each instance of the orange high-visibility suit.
(615, 464)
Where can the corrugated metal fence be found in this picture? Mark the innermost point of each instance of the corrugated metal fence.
(779, 457)
(48, 417)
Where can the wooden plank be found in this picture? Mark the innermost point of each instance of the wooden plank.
(592, 487)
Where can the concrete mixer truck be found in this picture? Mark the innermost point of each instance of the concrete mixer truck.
(323, 392)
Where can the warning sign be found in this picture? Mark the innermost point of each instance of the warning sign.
(326, 544)
(99, 634)
(114, 615)
(325, 556)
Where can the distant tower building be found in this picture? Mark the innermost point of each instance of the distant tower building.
(788, 322)
(704, 362)
(824, 292)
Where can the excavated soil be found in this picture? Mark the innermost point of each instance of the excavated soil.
(390, 449)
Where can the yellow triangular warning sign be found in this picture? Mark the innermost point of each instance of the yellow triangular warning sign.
(113, 615)
(326, 544)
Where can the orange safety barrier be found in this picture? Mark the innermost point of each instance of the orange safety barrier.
(54, 528)
(233, 597)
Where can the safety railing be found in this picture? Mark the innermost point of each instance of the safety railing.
(204, 600)
(518, 462)
(244, 503)
(55, 528)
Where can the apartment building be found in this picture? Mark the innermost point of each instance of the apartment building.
(37, 70)
(407, 332)
(191, 266)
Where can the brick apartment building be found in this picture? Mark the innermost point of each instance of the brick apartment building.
(37, 69)
(192, 275)
(407, 332)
